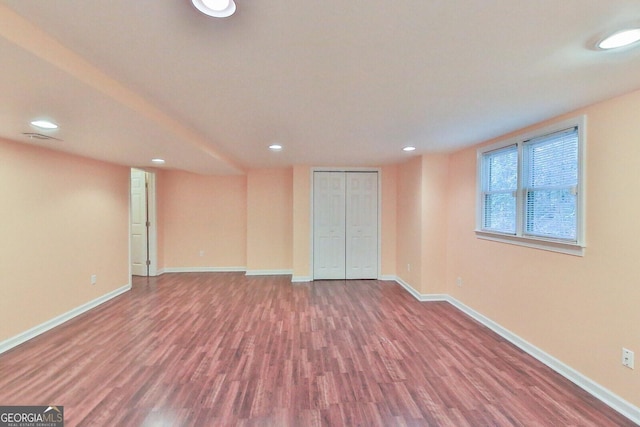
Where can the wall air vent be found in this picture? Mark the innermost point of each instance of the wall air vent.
(34, 135)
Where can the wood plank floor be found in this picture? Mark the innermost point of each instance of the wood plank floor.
(218, 349)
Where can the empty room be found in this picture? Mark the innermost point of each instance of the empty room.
(224, 212)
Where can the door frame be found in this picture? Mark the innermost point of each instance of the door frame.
(313, 170)
(152, 218)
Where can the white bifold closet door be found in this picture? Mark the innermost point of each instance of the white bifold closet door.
(345, 225)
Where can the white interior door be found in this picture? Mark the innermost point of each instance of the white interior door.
(362, 225)
(329, 225)
(139, 230)
(345, 225)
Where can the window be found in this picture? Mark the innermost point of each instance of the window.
(500, 179)
(530, 189)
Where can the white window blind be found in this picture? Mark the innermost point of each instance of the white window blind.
(550, 185)
(500, 182)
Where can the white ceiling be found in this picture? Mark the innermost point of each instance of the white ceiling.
(337, 83)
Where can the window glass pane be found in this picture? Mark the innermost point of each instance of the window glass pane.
(500, 183)
(502, 169)
(553, 160)
(551, 177)
(500, 212)
(552, 213)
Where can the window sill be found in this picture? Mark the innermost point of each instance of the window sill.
(545, 245)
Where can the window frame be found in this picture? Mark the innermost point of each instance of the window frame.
(521, 237)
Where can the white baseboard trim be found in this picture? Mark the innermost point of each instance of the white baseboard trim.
(305, 279)
(204, 270)
(604, 395)
(269, 272)
(608, 397)
(417, 295)
(226, 270)
(59, 320)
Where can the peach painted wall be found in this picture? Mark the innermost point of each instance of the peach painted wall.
(269, 219)
(301, 223)
(581, 310)
(435, 168)
(421, 223)
(409, 223)
(388, 219)
(63, 218)
(160, 221)
(202, 213)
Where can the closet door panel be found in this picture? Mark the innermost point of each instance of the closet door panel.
(329, 225)
(361, 225)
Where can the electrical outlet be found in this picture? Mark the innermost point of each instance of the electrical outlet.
(459, 281)
(201, 252)
(627, 358)
(408, 267)
(94, 279)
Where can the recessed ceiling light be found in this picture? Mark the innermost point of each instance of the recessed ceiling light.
(158, 161)
(216, 4)
(409, 148)
(215, 8)
(275, 147)
(620, 39)
(44, 124)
